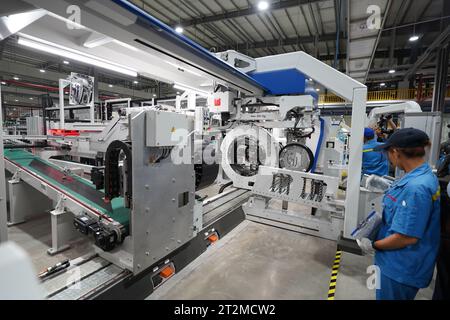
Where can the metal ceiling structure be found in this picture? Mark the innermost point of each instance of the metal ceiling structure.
(331, 30)
(326, 29)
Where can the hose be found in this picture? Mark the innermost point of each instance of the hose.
(226, 185)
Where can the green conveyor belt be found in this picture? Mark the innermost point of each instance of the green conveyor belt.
(23, 158)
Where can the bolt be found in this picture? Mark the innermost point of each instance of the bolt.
(173, 200)
(139, 266)
(147, 253)
(173, 180)
(147, 187)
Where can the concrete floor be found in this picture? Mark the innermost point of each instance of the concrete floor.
(256, 261)
(253, 261)
(34, 236)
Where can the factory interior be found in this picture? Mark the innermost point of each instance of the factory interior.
(219, 150)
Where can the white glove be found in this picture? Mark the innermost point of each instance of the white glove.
(366, 246)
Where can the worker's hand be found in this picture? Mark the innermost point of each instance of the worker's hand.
(366, 246)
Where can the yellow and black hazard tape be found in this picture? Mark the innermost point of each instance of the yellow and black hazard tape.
(334, 274)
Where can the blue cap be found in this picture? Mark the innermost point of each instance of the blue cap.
(369, 133)
(405, 138)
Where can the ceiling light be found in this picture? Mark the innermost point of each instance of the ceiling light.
(155, 95)
(31, 98)
(178, 92)
(3, 83)
(56, 49)
(16, 100)
(125, 45)
(392, 71)
(317, 89)
(110, 86)
(382, 84)
(136, 82)
(263, 5)
(97, 42)
(16, 78)
(66, 62)
(42, 71)
(179, 29)
(414, 38)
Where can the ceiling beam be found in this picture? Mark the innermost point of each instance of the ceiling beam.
(278, 42)
(401, 31)
(243, 12)
(442, 38)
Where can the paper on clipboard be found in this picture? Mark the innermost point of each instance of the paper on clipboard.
(368, 227)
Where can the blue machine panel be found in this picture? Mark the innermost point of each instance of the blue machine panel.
(278, 82)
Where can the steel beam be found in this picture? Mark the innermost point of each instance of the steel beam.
(243, 12)
(442, 38)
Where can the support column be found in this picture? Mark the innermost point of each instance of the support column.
(3, 212)
(440, 88)
(62, 231)
(25, 202)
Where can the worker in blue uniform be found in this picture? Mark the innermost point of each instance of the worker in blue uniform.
(407, 243)
(374, 162)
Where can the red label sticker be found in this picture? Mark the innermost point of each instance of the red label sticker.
(217, 102)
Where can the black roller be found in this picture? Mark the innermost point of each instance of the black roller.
(206, 174)
(112, 172)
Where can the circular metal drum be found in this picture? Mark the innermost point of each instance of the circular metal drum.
(244, 150)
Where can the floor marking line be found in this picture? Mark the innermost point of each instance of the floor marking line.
(334, 274)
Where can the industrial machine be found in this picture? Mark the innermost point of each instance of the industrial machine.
(284, 168)
(256, 119)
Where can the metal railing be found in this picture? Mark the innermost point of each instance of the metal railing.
(388, 95)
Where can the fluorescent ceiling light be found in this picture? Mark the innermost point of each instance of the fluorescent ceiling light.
(413, 38)
(263, 5)
(42, 71)
(66, 62)
(125, 45)
(178, 93)
(155, 95)
(317, 89)
(391, 71)
(18, 21)
(179, 29)
(31, 98)
(3, 83)
(191, 89)
(16, 78)
(110, 86)
(16, 100)
(135, 82)
(72, 54)
(382, 84)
